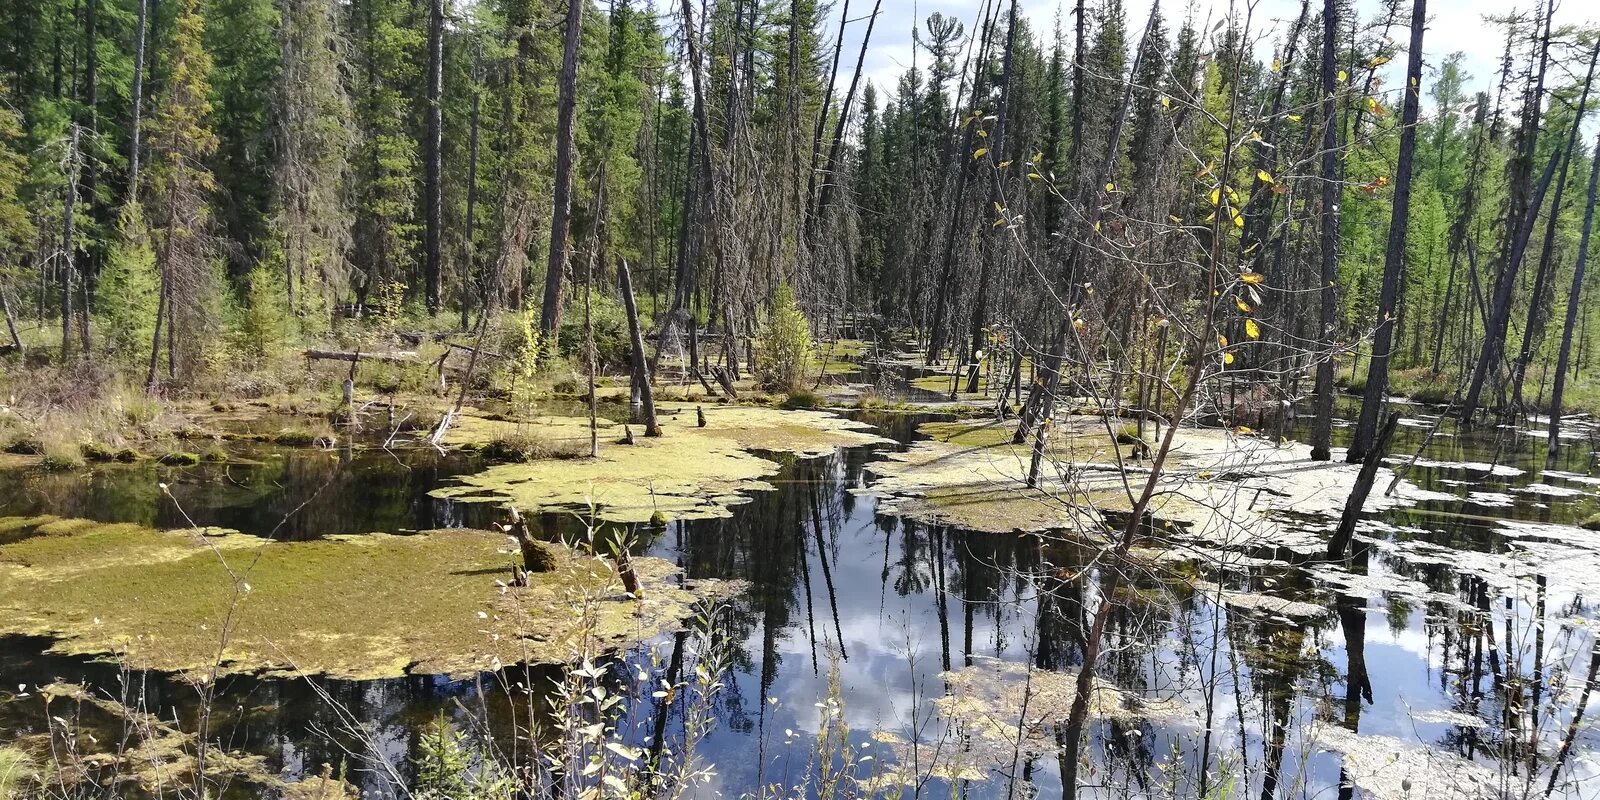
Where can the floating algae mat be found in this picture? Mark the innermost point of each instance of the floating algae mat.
(689, 472)
(359, 607)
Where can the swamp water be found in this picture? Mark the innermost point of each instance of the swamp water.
(1452, 659)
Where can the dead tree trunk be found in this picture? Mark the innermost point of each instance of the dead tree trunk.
(1573, 305)
(1533, 330)
(1394, 255)
(136, 100)
(561, 215)
(1358, 495)
(1494, 330)
(1322, 413)
(641, 366)
(433, 162)
(68, 243)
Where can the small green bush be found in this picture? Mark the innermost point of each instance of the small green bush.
(783, 345)
(179, 458)
(802, 398)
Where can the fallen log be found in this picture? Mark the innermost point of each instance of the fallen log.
(352, 356)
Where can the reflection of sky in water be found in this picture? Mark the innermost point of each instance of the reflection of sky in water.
(888, 579)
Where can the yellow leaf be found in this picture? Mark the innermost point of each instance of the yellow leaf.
(1253, 278)
(1216, 196)
(1078, 324)
(1222, 341)
(1035, 176)
(999, 209)
(1242, 430)
(1175, 220)
(1255, 136)
(979, 153)
(1227, 358)
(1343, 76)
(1294, 117)
(1276, 65)
(1005, 163)
(1241, 304)
(998, 222)
(1097, 227)
(1378, 61)
(1238, 219)
(1038, 157)
(1166, 102)
(1251, 329)
(1204, 171)
(1264, 176)
(983, 134)
(1110, 187)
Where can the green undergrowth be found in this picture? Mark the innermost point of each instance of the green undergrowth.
(359, 607)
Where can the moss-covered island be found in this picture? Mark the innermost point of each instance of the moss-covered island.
(359, 607)
(690, 472)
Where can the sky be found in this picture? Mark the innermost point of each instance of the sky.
(1454, 25)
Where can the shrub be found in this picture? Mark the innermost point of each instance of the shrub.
(802, 398)
(528, 446)
(783, 345)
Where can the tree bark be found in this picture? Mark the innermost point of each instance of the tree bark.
(641, 366)
(69, 261)
(1358, 495)
(136, 101)
(1532, 331)
(1322, 413)
(1494, 330)
(1573, 305)
(561, 216)
(433, 161)
(1394, 256)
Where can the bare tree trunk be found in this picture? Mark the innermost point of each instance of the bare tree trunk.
(68, 245)
(1322, 414)
(433, 161)
(1358, 495)
(1573, 305)
(11, 319)
(91, 166)
(825, 194)
(641, 367)
(561, 216)
(1494, 329)
(1532, 331)
(467, 243)
(1394, 256)
(136, 101)
(980, 303)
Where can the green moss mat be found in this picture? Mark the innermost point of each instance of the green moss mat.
(688, 472)
(357, 607)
